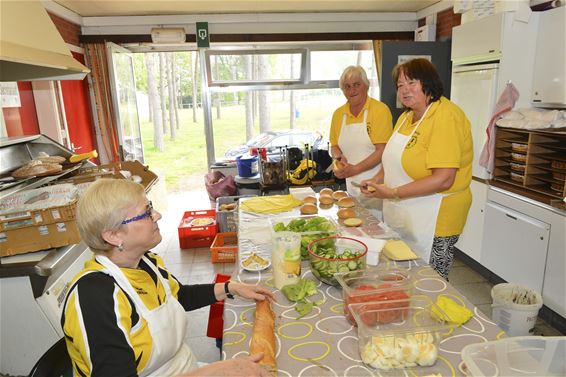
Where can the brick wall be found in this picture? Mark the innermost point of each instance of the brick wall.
(68, 30)
(445, 21)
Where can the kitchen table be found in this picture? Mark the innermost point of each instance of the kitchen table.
(324, 343)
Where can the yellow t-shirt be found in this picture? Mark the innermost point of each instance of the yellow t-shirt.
(443, 140)
(379, 121)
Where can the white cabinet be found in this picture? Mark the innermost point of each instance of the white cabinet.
(549, 81)
(515, 246)
(480, 40)
(470, 240)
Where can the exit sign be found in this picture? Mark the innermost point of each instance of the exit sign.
(203, 38)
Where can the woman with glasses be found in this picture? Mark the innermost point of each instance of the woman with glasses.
(125, 314)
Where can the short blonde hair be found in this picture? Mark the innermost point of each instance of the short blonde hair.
(104, 206)
(354, 71)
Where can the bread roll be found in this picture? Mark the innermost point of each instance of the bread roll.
(309, 209)
(371, 188)
(326, 191)
(37, 168)
(339, 194)
(346, 213)
(263, 336)
(346, 202)
(326, 200)
(353, 221)
(309, 199)
(338, 165)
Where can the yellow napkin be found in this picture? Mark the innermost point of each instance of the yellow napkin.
(453, 312)
(398, 250)
(270, 204)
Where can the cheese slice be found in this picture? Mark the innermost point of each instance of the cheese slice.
(398, 250)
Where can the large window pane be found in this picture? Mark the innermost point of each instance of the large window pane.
(234, 67)
(328, 65)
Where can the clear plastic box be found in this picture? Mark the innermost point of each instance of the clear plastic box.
(306, 236)
(392, 339)
(374, 284)
(517, 356)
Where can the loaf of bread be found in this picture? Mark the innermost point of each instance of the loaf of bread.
(37, 168)
(263, 336)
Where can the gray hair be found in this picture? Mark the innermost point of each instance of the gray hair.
(103, 207)
(353, 71)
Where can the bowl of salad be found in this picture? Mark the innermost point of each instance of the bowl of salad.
(336, 254)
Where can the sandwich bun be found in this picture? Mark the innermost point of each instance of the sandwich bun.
(326, 200)
(338, 165)
(371, 188)
(326, 191)
(346, 213)
(309, 199)
(353, 221)
(339, 194)
(309, 209)
(346, 202)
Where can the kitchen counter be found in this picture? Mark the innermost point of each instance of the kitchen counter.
(324, 342)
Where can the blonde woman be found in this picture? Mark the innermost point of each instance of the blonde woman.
(125, 314)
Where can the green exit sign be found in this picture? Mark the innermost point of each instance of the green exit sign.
(203, 38)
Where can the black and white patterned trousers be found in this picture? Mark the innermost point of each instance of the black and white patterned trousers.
(442, 254)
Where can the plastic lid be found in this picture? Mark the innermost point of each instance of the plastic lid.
(247, 180)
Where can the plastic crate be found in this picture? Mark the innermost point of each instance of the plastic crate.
(191, 236)
(224, 248)
(215, 320)
(228, 220)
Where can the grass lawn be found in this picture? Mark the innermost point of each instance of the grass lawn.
(186, 155)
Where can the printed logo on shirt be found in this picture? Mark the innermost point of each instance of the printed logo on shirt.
(414, 140)
(141, 291)
(368, 128)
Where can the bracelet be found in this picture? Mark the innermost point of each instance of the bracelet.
(396, 194)
(227, 291)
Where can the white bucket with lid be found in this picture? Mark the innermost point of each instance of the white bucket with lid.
(515, 308)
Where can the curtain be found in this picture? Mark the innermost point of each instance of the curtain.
(105, 122)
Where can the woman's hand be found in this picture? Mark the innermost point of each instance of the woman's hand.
(254, 292)
(244, 366)
(346, 170)
(372, 189)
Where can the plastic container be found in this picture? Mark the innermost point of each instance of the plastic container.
(286, 258)
(247, 186)
(514, 318)
(375, 285)
(215, 320)
(247, 165)
(518, 356)
(311, 227)
(334, 254)
(224, 248)
(227, 219)
(191, 235)
(408, 341)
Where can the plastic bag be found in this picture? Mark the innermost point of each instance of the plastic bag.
(217, 185)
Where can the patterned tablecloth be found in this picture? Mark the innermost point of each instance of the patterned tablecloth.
(323, 343)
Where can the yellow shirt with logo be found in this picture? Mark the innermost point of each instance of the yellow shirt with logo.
(379, 121)
(442, 140)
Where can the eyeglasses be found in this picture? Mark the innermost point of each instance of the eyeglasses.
(148, 213)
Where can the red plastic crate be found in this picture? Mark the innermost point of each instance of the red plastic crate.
(191, 236)
(215, 320)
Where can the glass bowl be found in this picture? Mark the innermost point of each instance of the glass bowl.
(331, 255)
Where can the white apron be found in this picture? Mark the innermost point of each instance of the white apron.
(355, 144)
(414, 218)
(167, 324)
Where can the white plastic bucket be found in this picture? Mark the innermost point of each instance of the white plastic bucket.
(514, 319)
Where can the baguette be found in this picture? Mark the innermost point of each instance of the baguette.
(263, 336)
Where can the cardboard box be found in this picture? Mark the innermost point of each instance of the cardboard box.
(117, 170)
(38, 219)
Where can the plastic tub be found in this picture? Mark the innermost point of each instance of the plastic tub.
(247, 186)
(375, 285)
(518, 356)
(247, 165)
(515, 318)
(334, 254)
(311, 227)
(409, 341)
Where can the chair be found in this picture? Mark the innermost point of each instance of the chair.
(54, 362)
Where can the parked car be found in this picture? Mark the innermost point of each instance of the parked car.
(273, 140)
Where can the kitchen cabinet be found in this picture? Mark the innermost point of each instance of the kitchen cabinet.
(549, 84)
(512, 250)
(515, 245)
(470, 240)
(533, 160)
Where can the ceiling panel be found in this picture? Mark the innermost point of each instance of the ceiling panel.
(89, 8)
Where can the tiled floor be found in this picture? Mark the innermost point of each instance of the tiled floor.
(194, 266)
